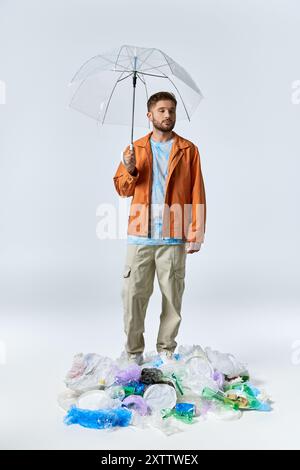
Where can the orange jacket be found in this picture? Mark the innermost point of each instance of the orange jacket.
(184, 214)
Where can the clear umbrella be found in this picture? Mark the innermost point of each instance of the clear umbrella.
(114, 87)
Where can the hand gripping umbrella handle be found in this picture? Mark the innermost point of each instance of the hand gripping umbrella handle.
(122, 156)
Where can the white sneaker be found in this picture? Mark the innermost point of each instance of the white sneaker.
(136, 358)
(166, 356)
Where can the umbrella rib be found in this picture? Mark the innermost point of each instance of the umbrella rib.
(129, 56)
(111, 62)
(110, 97)
(150, 74)
(151, 52)
(163, 65)
(165, 76)
(157, 67)
(153, 75)
(77, 90)
(180, 98)
(89, 60)
(120, 79)
(80, 68)
(166, 60)
(144, 82)
(116, 62)
(118, 56)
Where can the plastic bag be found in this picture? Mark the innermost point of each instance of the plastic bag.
(199, 374)
(185, 352)
(98, 419)
(66, 399)
(116, 391)
(168, 426)
(226, 363)
(130, 374)
(90, 372)
(134, 388)
(97, 399)
(137, 403)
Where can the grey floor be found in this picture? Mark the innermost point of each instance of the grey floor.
(40, 343)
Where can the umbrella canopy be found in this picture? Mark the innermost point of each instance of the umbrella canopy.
(113, 88)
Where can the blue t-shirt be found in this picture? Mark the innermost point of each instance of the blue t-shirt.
(161, 153)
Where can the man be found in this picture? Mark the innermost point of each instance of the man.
(167, 221)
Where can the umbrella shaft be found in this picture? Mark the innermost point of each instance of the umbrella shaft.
(133, 103)
(134, 79)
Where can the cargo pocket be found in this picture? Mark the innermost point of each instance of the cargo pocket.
(125, 286)
(179, 273)
(127, 271)
(179, 262)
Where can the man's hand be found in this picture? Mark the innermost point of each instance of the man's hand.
(129, 160)
(192, 247)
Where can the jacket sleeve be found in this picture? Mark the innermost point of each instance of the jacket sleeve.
(197, 225)
(124, 181)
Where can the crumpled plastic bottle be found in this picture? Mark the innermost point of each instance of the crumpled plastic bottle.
(246, 396)
(242, 399)
(209, 394)
(183, 411)
(160, 396)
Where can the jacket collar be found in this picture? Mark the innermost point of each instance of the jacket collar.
(179, 142)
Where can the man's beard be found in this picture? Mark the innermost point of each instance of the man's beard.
(163, 127)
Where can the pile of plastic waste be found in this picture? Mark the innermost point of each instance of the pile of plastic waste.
(162, 393)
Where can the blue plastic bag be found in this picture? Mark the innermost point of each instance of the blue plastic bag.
(98, 419)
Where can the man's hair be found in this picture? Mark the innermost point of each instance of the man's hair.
(161, 95)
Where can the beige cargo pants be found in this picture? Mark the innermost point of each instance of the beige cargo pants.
(142, 261)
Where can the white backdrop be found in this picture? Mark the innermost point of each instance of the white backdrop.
(60, 284)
